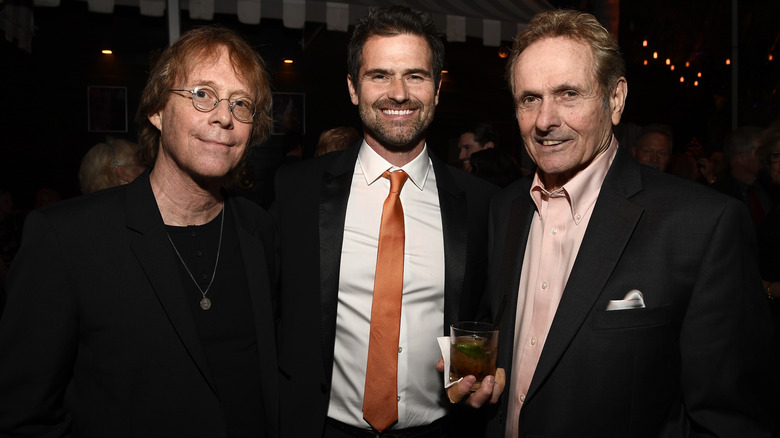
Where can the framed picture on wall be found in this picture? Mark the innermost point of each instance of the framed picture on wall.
(289, 113)
(106, 109)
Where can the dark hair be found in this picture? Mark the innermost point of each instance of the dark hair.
(495, 166)
(175, 63)
(658, 128)
(483, 133)
(608, 64)
(392, 21)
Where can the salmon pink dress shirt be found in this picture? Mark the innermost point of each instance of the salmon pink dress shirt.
(557, 230)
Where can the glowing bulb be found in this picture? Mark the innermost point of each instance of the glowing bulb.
(695, 83)
(728, 62)
(671, 67)
(288, 61)
(644, 43)
(668, 61)
(655, 55)
(645, 62)
(687, 64)
(698, 75)
(106, 52)
(682, 79)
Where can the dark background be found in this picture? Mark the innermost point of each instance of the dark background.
(44, 124)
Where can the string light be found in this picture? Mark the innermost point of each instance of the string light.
(687, 64)
(695, 83)
(288, 61)
(106, 52)
(682, 79)
(645, 62)
(671, 67)
(655, 55)
(644, 43)
(728, 61)
(668, 61)
(698, 75)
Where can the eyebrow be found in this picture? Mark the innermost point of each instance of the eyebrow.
(212, 84)
(411, 71)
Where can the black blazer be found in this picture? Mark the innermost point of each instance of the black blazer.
(692, 361)
(310, 209)
(97, 338)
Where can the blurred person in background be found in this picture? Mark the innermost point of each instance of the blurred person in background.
(115, 162)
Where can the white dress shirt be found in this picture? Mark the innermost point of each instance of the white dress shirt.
(422, 311)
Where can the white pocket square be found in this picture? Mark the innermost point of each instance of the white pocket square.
(633, 300)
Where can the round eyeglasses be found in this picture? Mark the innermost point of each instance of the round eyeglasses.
(205, 98)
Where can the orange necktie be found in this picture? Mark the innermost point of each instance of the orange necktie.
(380, 400)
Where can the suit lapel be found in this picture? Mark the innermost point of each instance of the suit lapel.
(334, 194)
(518, 225)
(156, 257)
(610, 228)
(454, 217)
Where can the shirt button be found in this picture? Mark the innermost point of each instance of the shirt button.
(554, 231)
(522, 398)
(400, 350)
(545, 285)
(578, 216)
(398, 398)
(533, 341)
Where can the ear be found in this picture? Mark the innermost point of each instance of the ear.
(121, 173)
(617, 100)
(489, 145)
(156, 120)
(353, 94)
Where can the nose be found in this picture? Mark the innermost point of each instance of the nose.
(398, 91)
(463, 154)
(222, 114)
(547, 117)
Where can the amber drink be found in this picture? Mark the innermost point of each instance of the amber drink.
(473, 351)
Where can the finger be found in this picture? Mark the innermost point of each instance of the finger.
(479, 397)
(499, 385)
(458, 392)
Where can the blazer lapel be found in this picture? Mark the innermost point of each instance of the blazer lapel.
(516, 229)
(154, 254)
(334, 194)
(614, 218)
(454, 217)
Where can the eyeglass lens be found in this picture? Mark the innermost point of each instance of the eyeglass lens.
(205, 99)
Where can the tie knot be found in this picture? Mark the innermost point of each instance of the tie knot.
(397, 180)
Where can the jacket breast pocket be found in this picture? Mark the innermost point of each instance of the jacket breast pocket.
(631, 318)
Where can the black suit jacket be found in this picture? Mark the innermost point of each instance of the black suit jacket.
(98, 340)
(692, 363)
(310, 209)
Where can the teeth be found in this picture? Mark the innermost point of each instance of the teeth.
(551, 142)
(397, 112)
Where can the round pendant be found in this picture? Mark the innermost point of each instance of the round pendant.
(205, 303)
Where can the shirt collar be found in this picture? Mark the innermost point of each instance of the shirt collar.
(583, 189)
(373, 166)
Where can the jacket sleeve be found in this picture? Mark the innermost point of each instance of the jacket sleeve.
(724, 338)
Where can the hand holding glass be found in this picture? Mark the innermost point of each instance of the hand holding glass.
(473, 351)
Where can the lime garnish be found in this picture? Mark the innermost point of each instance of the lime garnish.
(471, 350)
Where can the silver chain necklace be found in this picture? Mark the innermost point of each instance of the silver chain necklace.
(205, 303)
